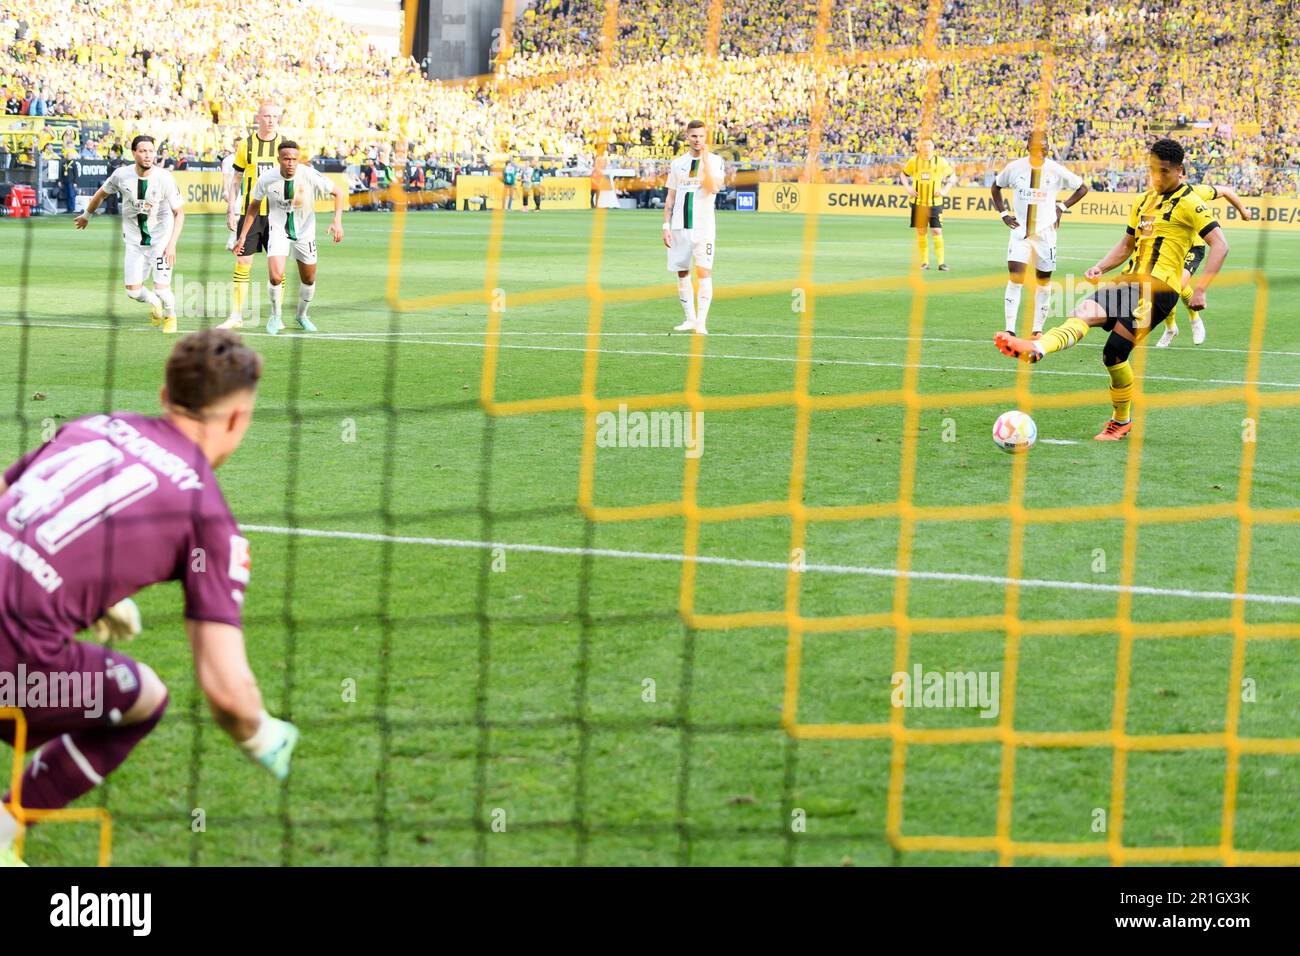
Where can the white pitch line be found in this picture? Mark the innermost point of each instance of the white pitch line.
(842, 569)
(1058, 441)
(1009, 369)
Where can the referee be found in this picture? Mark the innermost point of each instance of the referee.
(255, 155)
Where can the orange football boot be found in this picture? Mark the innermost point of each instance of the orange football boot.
(1114, 431)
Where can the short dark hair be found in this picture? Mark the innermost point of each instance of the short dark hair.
(694, 124)
(142, 138)
(1169, 150)
(287, 144)
(207, 366)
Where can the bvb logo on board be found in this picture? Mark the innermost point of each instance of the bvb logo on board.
(787, 197)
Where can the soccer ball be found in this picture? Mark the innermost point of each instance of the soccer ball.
(1014, 432)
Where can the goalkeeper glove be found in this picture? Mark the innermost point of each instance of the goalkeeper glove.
(272, 745)
(121, 622)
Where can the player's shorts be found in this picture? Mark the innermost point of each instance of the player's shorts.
(259, 234)
(690, 247)
(302, 250)
(1039, 249)
(1125, 305)
(88, 685)
(1192, 261)
(141, 262)
(918, 216)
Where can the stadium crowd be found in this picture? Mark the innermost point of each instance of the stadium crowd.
(1118, 71)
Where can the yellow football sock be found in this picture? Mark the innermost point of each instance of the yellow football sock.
(240, 295)
(1121, 390)
(921, 249)
(1070, 332)
(938, 248)
(1185, 293)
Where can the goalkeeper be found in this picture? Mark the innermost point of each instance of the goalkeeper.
(112, 504)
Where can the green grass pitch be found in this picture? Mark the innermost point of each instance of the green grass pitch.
(484, 695)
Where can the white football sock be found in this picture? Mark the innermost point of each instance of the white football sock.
(277, 297)
(143, 295)
(305, 294)
(168, 300)
(1042, 299)
(1011, 305)
(8, 827)
(686, 295)
(706, 297)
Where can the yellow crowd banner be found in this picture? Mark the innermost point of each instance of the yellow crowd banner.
(965, 202)
(558, 192)
(204, 190)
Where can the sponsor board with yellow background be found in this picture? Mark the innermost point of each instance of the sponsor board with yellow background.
(205, 190)
(966, 202)
(558, 192)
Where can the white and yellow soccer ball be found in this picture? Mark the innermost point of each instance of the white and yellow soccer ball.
(1014, 432)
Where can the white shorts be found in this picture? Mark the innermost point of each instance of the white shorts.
(689, 247)
(302, 250)
(1042, 249)
(141, 262)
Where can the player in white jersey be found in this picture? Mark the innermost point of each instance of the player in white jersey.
(291, 192)
(153, 215)
(694, 179)
(229, 182)
(1033, 220)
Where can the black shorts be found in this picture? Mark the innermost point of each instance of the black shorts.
(1123, 304)
(258, 235)
(917, 215)
(1192, 261)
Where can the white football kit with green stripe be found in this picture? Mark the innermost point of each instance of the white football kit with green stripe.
(693, 227)
(149, 205)
(291, 210)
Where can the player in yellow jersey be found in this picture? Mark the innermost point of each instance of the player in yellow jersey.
(255, 155)
(1208, 193)
(928, 179)
(1164, 223)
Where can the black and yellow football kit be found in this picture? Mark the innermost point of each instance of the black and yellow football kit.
(927, 176)
(1196, 254)
(254, 157)
(1165, 226)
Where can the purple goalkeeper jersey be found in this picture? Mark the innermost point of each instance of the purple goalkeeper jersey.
(113, 504)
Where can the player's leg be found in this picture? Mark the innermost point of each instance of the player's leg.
(702, 254)
(922, 247)
(1017, 257)
(1044, 249)
(1190, 265)
(275, 262)
(162, 287)
(1114, 355)
(136, 267)
(239, 292)
(82, 741)
(305, 255)
(936, 230)
(1091, 312)
(679, 261)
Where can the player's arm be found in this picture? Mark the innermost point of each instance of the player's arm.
(949, 180)
(1008, 217)
(336, 227)
(1230, 194)
(233, 185)
(221, 668)
(250, 216)
(669, 200)
(1063, 207)
(1123, 249)
(1216, 250)
(178, 225)
(82, 221)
